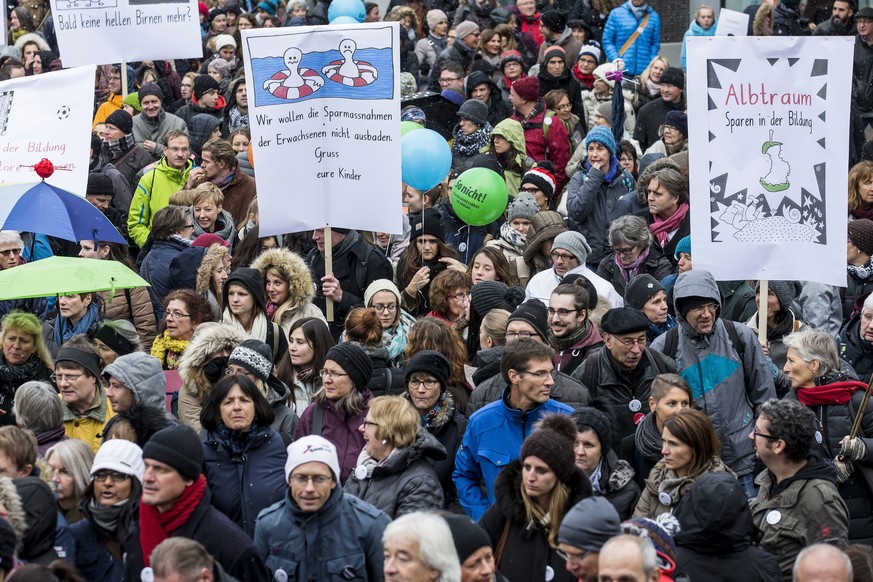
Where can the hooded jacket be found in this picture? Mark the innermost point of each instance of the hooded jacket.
(554, 147)
(301, 291)
(142, 375)
(187, 112)
(726, 389)
(498, 110)
(511, 131)
(545, 225)
(694, 29)
(214, 255)
(155, 269)
(153, 193)
(342, 537)
(404, 481)
(200, 127)
(527, 554)
(716, 535)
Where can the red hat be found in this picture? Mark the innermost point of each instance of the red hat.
(203, 8)
(527, 88)
(207, 239)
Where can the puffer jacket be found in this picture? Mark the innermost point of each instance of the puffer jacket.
(565, 389)
(404, 481)
(292, 268)
(624, 395)
(656, 265)
(527, 554)
(224, 227)
(153, 193)
(809, 507)
(493, 439)
(386, 379)
(716, 535)
(834, 424)
(210, 341)
(246, 481)
(855, 349)
(591, 197)
(653, 501)
(340, 541)
(136, 375)
(724, 388)
(617, 484)
(511, 131)
(620, 25)
(135, 306)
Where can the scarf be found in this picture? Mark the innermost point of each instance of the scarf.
(106, 519)
(513, 237)
(861, 273)
(236, 441)
(834, 393)
(169, 350)
(614, 170)
(64, 328)
(469, 145)
(648, 439)
(653, 88)
(427, 419)
(155, 527)
(259, 325)
(11, 377)
(661, 228)
(306, 375)
(507, 82)
(224, 182)
(859, 213)
(271, 308)
(537, 109)
(118, 147)
(628, 272)
(587, 81)
(157, 120)
(563, 343)
(237, 119)
(395, 338)
(656, 330)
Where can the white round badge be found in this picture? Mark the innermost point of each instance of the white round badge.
(665, 498)
(361, 472)
(147, 575)
(550, 574)
(635, 405)
(773, 517)
(818, 437)
(280, 575)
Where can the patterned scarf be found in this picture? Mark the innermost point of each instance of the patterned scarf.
(513, 237)
(861, 273)
(648, 439)
(236, 441)
(661, 227)
(223, 183)
(237, 119)
(11, 377)
(628, 272)
(427, 419)
(469, 145)
(394, 338)
(562, 343)
(117, 148)
(169, 350)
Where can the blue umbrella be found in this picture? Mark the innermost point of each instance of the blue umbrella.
(42, 208)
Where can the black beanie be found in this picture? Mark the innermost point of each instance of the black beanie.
(179, 447)
(673, 76)
(597, 421)
(555, 20)
(553, 443)
(354, 361)
(786, 292)
(98, 184)
(428, 223)
(474, 110)
(533, 312)
(122, 120)
(252, 280)
(489, 295)
(203, 84)
(150, 89)
(640, 289)
(433, 363)
(468, 536)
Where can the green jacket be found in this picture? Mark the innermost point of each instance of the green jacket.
(153, 193)
(511, 131)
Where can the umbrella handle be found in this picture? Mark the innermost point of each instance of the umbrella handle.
(111, 287)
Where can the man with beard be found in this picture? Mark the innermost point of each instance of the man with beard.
(841, 22)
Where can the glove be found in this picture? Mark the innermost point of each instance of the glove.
(853, 449)
(844, 469)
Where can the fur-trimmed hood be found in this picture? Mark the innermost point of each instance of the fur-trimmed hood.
(507, 491)
(208, 340)
(34, 37)
(292, 268)
(214, 254)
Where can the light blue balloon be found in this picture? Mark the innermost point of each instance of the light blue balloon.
(352, 8)
(425, 158)
(344, 20)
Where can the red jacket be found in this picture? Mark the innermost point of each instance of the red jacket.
(556, 149)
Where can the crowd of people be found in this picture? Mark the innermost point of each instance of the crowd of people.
(557, 395)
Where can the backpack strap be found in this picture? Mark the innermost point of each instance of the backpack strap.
(671, 342)
(317, 420)
(275, 341)
(731, 328)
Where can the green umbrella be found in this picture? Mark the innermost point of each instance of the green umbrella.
(65, 275)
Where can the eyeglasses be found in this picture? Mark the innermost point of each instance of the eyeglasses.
(529, 190)
(428, 384)
(303, 480)
(389, 307)
(330, 374)
(561, 313)
(188, 85)
(448, 81)
(115, 475)
(8, 252)
(176, 315)
(630, 342)
(518, 334)
(66, 377)
(769, 437)
(572, 559)
(564, 107)
(461, 295)
(624, 251)
(710, 307)
(369, 423)
(541, 375)
(563, 256)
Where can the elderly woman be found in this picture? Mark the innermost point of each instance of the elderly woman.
(24, 358)
(450, 297)
(861, 190)
(77, 314)
(633, 253)
(670, 221)
(171, 233)
(835, 397)
(394, 471)
(308, 343)
(38, 410)
(610, 476)
(108, 507)
(184, 310)
(70, 462)
(211, 274)
(117, 338)
(472, 134)
(532, 495)
(338, 409)
(78, 367)
(427, 382)
(856, 341)
(674, 135)
(859, 269)
(207, 214)
(384, 296)
(289, 287)
(645, 293)
(690, 448)
(419, 548)
(244, 458)
(245, 308)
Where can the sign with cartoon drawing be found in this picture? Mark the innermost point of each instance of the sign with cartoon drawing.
(768, 133)
(325, 121)
(107, 31)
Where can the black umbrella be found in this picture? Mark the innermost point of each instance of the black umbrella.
(442, 114)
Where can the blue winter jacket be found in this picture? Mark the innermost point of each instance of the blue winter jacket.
(93, 558)
(340, 541)
(244, 483)
(493, 439)
(156, 270)
(620, 25)
(695, 29)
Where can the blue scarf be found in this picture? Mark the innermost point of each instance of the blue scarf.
(657, 330)
(614, 169)
(64, 330)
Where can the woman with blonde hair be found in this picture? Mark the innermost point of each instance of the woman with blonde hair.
(211, 275)
(648, 87)
(289, 287)
(24, 357)
(207, 213)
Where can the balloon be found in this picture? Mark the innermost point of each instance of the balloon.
(251, 160)
(425, 158)
(407, 126)
(353, 8)
(479, 196)
(344, 20)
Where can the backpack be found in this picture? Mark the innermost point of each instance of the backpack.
(671, 343)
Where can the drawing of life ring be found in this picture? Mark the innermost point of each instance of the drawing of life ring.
(277, 84)
(348, 71)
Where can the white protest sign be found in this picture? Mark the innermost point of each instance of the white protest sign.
(47, 116)
(769, 129)
(324, 110)
(732, 23)
(107, 31)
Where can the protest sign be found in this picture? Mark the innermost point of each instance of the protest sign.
(107, 31)
(732, 23)
(324, 110)
(769, 127)
(47, 116)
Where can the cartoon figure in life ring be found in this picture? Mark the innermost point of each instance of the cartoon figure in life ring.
(348, 71)
(295, 81)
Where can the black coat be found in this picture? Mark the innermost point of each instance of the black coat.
(617, 484)
(94, 560)
(568, 83)
(656, 265)
(448, 427)
(527, 555)
(856, 350)
(862, 75)
(650, 119)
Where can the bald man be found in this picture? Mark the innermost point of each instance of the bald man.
(627, 558)
(822, 563)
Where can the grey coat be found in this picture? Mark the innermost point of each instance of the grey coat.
(565, 389)
(403, 482)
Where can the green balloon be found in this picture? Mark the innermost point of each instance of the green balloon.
(479, 196)
(407, 126)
